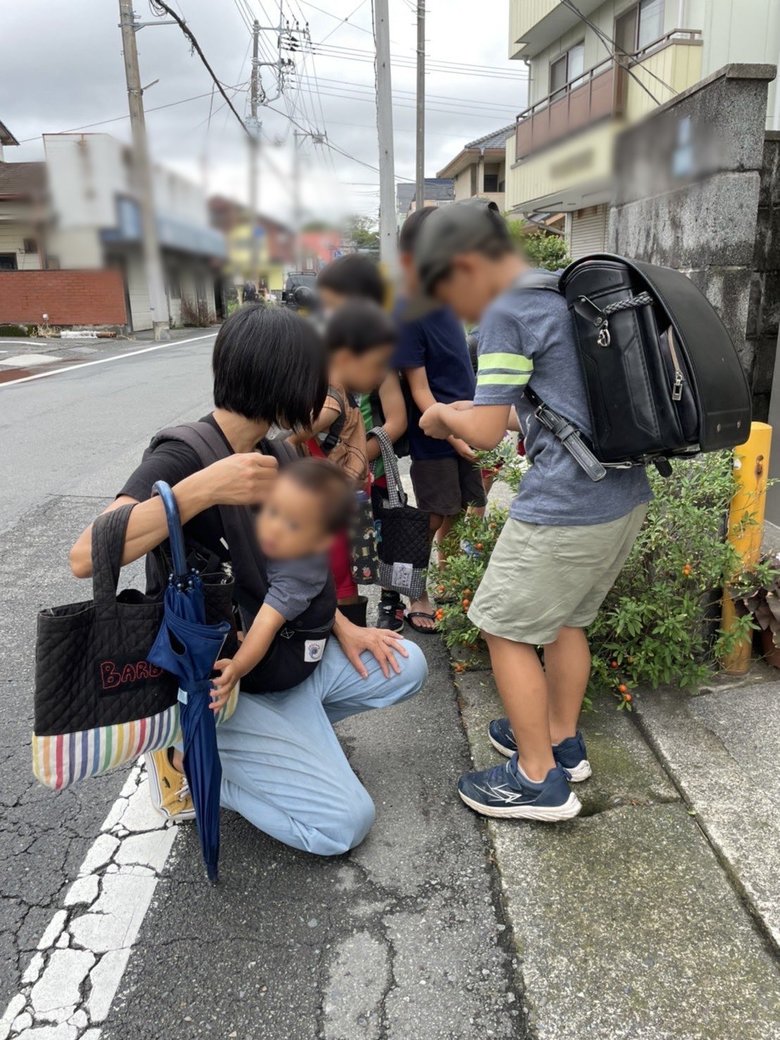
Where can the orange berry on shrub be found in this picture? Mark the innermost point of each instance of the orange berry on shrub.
(623, 688)
(613, 664)
(466, 604)
(627, 697)
(479, 547)
(687, 570)
(439, 614)
(467, 593)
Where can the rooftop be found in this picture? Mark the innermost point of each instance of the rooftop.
(22, 180)
(494, 142)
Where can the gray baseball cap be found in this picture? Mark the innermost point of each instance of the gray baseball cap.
(461, 227)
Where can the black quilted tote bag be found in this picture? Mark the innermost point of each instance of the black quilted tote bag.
(98, 702)
(403, 538)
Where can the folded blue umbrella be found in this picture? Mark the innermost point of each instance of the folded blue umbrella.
(187, 647)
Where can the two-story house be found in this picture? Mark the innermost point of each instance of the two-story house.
(479, 168)
(595, 66)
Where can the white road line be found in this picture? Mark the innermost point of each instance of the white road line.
(105, 361)
(70, 983)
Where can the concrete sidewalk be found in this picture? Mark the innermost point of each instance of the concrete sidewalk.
(651, 915)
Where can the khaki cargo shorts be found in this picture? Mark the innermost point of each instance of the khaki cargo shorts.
(541, 579)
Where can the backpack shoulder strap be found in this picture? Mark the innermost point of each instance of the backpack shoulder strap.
(333, 434)
(538, 278)
(237, 521)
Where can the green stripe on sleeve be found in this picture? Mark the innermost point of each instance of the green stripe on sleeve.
(513, 362)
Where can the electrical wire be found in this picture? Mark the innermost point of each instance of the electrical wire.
(612, 47)
(160, 6)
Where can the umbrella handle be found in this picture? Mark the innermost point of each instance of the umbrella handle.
(175, 533)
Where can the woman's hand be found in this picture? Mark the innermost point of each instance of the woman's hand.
(243, 479)
(355, 641)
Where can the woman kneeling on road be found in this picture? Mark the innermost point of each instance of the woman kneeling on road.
(283, 768)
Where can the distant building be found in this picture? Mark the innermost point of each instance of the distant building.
(276, 245)
(79, 210)
(479, 168)
(438, 192)
(319, 247)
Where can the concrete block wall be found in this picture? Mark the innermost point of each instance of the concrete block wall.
(690, 181)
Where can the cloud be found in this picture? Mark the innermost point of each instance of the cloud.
(66, 60)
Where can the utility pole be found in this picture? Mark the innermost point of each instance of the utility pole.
(299, 136)
(152, 262)
(388, 247)
(420, 157)
(254, 148)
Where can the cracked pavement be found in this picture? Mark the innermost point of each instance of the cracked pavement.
(404, 938)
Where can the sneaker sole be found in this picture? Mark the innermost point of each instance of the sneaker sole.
(543, 813)
(582, 771)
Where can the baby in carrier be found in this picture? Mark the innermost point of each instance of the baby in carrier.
(310, 503)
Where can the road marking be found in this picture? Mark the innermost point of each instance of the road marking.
(72, 978)
(105, 361)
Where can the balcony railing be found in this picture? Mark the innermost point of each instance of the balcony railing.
(596, 94)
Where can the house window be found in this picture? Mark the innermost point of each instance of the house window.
(491, 182)
(639, 26)
(8, 261)
(651, 22)
(30, 245)
(567, 68)
(174, 285)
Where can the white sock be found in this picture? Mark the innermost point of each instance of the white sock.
(523, 773)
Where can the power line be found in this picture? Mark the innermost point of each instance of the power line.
(118, 119)
(159, 6)
(612, 47)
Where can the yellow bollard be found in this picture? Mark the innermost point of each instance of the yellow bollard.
(751, 468)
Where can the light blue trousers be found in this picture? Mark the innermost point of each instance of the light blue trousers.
(283, 768)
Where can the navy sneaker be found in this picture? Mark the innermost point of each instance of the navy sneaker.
(570, 753)
(503, 792)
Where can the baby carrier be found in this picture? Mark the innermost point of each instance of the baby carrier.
(298, 646)
(662, 376)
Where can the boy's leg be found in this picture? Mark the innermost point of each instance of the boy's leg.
(522, 685)
(567, 667)
(437, 492)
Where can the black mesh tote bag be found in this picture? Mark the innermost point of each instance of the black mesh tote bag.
(403, 538)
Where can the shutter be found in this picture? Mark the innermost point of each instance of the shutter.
(588, 231)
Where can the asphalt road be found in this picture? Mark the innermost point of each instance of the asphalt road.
(404, 939)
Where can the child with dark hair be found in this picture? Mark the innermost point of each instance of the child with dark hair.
(360, 338)
(433, 356)
(355, 277)
(350, 277)
(309, 505)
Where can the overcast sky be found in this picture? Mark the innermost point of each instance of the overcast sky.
(62, 68)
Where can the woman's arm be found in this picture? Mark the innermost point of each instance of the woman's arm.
(242, 479)
(394, 410)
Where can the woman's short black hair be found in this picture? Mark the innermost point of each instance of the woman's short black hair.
(355, 276)
(360, 325)
(270, 365)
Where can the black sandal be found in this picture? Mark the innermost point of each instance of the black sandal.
(410, 614)
(390, 615)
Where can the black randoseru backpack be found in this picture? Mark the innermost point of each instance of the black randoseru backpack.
(662, 375)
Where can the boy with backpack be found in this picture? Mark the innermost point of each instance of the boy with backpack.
(567, 536)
